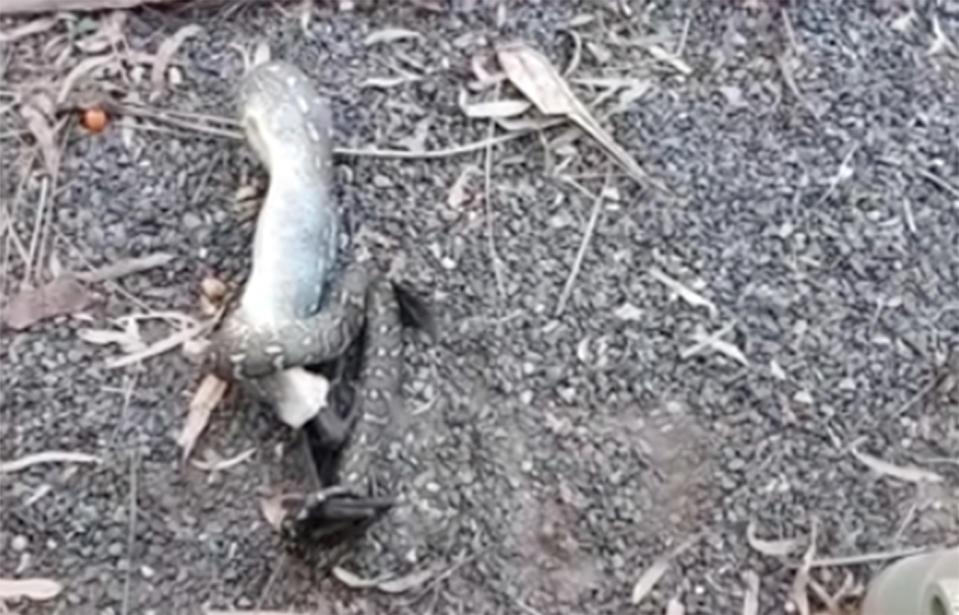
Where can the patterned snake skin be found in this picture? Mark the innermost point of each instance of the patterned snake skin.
(296, 309)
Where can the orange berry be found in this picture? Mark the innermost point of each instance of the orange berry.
(94, 119)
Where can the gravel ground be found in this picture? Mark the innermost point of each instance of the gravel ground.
(549, 457)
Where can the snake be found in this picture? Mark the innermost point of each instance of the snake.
(299, 308)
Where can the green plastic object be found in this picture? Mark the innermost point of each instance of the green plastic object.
(926, 584)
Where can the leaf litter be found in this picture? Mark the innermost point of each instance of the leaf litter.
(17, 465)
(37, 589)
(538, 80)
(208, 395)
(64, 295)
(910, 473)
(652, 575)
(389, 584)
(773, 548)
(165, 53)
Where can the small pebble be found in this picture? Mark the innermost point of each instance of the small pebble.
(19, 543)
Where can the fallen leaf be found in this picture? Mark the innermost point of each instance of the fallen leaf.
(208, 395)
(129, 339)
(493, 108)
(388, 82)
(31, 27)
(457, 195)
(774, 548)
(798, 593)
(274, 508)
(164, 345)
(261, 53)
(165, 53)
(628, 311)
(405, 583)
(41, 126)
(259, 612)
(910, 473)
(675, 606)
(687, 294)
(668, 58)
(353, 580)
(390, 35)
(386, 584)
(217, 465)
(125, 267)
(541, 83)
(64, 295)
(651, 576)
(16, 465)
(107, 37)
(751, 599)
(32, 589)
(649, 579)
(82, 69)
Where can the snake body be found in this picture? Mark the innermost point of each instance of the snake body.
(296, 308)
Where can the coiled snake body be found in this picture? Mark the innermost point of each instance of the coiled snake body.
(296, 309)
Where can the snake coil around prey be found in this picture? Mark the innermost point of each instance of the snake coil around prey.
(298, 309)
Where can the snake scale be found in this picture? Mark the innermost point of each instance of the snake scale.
(298, 309)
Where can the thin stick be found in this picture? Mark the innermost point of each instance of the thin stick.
(583, 245)
(131, 528)
(35, 237)
(866, 558)
(125, 267)
(164, 345)
(447, 152)
(939, 182)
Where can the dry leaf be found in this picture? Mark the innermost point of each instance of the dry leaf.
(32, 589)
(164, 345)
(628, 311)
(405, 583)
(457, 195)
(773, 548)
(668, 58)
(128, 340)
(390, 35)
(352, 580)
(388, 82)
(689, 295)
(260, 612)
(911, 473)
(107, 37)
(44, 132)
(656, 570)
(274, 508)
(799, 592)
(389, 585)
(83, 68)
(675, 606)
(165, 53)
(541, 83)
(751, 599)
(208, 395)
(8, 467)
(649, 579)
(126, 266)
(64, 295)
(32, 27)
(218, 464)
(493, 108)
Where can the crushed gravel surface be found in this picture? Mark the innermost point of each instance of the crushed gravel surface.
(547, 458)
